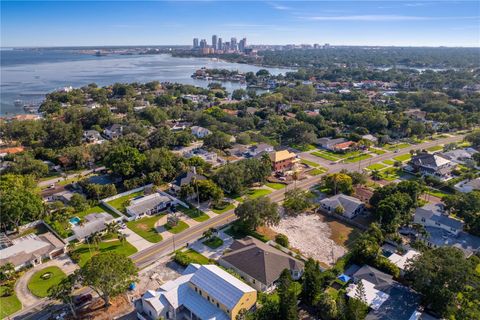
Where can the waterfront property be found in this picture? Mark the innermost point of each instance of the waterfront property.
(201, 292)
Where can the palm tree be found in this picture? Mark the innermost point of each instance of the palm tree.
(71, 246)
(96, 238)
(376, 175)
(122, 237)
(112, 227)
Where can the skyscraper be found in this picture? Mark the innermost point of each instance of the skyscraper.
(203, 43)
(242, 44)
(233, 43)
(214, 41)
(220, 44)
(195, 43)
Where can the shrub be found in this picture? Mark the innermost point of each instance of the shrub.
(282, 240)
(182, 259)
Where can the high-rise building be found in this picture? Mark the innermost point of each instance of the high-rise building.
(220, 44)
(233, 43)
(214, 41)
(242, 44)
(203, 43)
(195, 43)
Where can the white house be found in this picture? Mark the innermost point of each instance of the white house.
(468, 185)
(431, 215)
(200, 132)
(151, 204)
(350, 206)
(114, 131)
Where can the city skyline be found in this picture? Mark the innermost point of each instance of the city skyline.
(399, 23)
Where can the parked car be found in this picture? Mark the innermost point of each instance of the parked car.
(83, 299)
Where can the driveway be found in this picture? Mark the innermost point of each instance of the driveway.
(135, 240)
(209, 252)
(28, 299)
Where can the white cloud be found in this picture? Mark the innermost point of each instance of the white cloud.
(280, 7)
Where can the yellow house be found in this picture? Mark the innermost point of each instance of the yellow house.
(202, 292)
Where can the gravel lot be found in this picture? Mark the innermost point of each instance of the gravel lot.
(311, 235)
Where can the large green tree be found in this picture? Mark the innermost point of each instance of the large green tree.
(312, 282)
(63, 292)
(288, 297)
(124, 160)
(258, 212)
(108, 274)
(20, 202)
(296, 201)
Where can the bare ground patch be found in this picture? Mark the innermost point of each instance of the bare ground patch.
(314, 237)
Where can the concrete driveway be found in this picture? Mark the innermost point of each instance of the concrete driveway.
(135, 240)
(24, 295)
(209, 252)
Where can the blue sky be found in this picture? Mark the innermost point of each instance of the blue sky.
(402, 23)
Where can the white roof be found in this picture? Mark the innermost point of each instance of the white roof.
(374, 298)
(27, 244)
(401, 261)
(220, 285)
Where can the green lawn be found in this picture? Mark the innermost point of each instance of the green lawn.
(392, 147)
(220, 211)
(181, 226)
(435, 148)
(389, 162)
(9, 304)
(95, 209)
(357, 158)
(403, 157)
(376, 166)
(317, 171)
(257, 193)
(436, 193)
(325, 156)
(276, 186)
(390, 174)
(145, 228)
(213, 243)
(194, 213)
(86, 251)
(310, 163)
(39, 286)
(303, 147)
(122, 202)
(376, 151)
(195, 257)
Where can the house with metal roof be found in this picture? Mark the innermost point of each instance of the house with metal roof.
(468, 185)
(201, 292)
(259, 263)
(150, 205)
(340, 203)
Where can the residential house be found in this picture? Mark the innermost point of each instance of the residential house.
(209, 156)
(468, 185)
(433, 215)
(385, 297)
(114, 131)
(92, 223)
(150, 205)
(201, 292)
(336, 145)
(259, 263)
(238, 150)
(442, 230)
(432, 165)
(179, 125)
(416, 114)
(348, 206)
(185, 179)
(64, 196)
(92, 136)
(258, 150)
(200, 132)
(282, 160)
(402, 260)
(30, 250)
(370, 138)
(460, 156)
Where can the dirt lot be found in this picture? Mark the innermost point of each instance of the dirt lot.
(316, 236)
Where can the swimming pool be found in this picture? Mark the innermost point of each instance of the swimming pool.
(74, 221)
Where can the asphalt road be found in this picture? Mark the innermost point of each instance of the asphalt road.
(163, 248)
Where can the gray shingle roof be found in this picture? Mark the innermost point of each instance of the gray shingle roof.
(349, 204)
(141, 205)
(260, 261)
